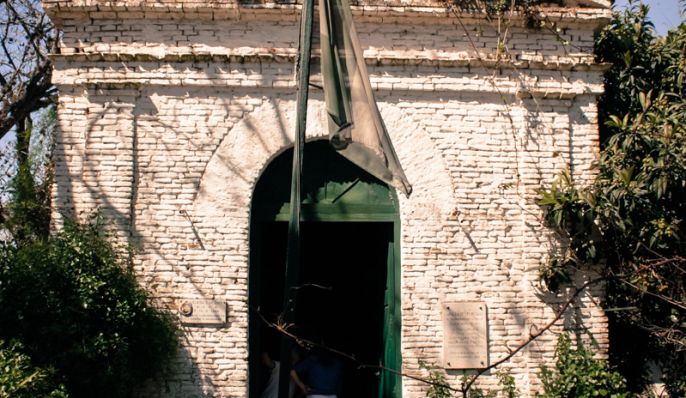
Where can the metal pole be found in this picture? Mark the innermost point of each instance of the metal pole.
(293, 248)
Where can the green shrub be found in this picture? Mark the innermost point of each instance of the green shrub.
(74, 306)
(507, 381)
(20, 379)
(438, 387)
(577, 374)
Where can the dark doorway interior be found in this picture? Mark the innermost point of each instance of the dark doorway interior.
(340, 298)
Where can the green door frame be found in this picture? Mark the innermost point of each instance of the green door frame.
(390, 385)
(361, 198)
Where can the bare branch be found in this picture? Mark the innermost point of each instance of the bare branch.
(655, 295)
(27, 36)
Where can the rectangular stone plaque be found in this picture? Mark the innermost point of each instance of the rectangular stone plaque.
(465, 335)
(202, 312)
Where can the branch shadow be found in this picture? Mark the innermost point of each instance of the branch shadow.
(138, 116)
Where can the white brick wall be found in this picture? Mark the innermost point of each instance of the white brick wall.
(171, 119)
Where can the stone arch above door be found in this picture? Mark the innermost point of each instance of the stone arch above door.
(230, 176)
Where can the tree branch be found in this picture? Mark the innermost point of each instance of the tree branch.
(27, 38)
(534, 336)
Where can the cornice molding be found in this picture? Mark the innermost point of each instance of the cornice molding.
(289, 57)
(231, 10)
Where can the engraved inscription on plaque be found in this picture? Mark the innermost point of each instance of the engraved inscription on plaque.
(202, 312)
(465, 335)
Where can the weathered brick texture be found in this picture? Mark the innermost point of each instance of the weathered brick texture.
(170, 111)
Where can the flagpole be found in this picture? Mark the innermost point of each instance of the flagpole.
(293, 249)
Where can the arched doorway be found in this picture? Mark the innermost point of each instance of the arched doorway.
(349, 276)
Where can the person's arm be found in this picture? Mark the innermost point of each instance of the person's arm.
(305, 389)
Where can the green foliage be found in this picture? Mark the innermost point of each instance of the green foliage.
(439, 385)
(509, 389)
(577, 374)
(29, 210)
(504, 10)
(69, 299)
(20, 379)
(630, 219)
(74, 306)
(476, 392)
(498, 7)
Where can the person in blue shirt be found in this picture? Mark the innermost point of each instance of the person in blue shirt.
(318, 375)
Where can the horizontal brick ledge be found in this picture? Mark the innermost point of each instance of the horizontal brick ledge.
(289, 57)
(519, 93)
(218, 11)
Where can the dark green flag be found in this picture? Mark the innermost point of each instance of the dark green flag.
(356, 129)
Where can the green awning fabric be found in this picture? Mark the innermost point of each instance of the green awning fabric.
(356, 128)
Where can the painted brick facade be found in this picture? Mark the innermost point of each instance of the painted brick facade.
(170, 111)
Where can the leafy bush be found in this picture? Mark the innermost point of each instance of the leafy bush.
(29, 209)
(438, 387)
(74, 306)
(577, 374)
(20, 379)
(509, 388)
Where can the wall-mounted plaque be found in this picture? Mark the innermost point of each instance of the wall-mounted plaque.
(202, 312)
(465, 335)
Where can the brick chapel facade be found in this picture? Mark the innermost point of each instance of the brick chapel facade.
(175, 118)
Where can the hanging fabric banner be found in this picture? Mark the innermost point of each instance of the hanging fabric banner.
(356, 128)
(292, 272)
